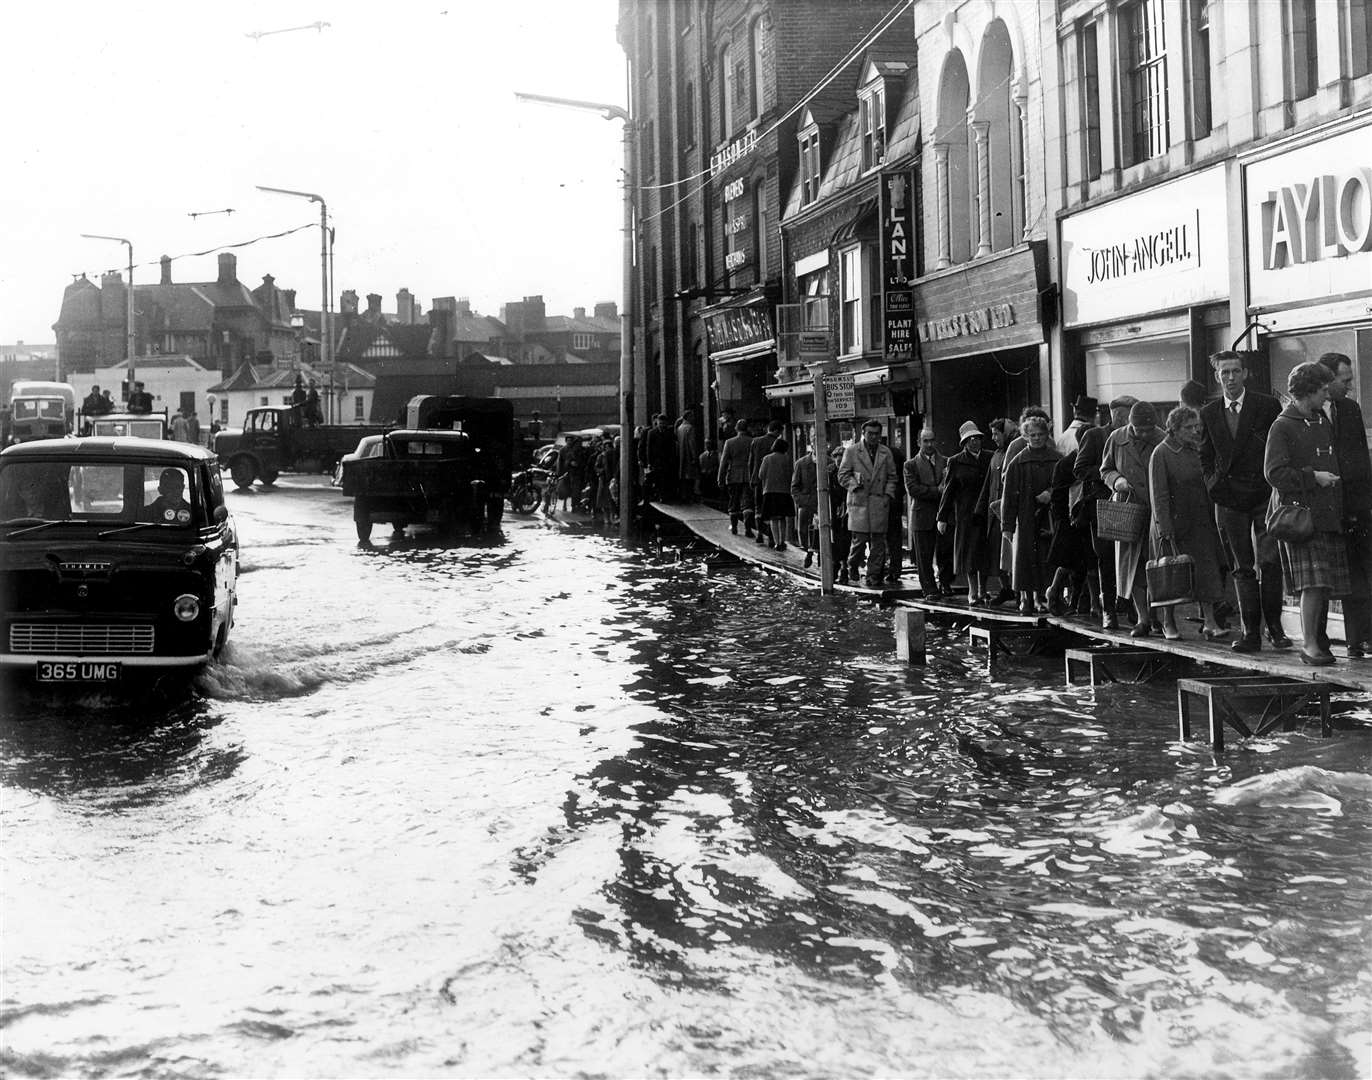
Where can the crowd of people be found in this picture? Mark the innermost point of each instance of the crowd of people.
(1201, 481)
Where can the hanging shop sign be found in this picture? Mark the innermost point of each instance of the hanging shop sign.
(813, 346)
(898, 263)
(736, 328)
(840, 397)
(1166, 247)
(1308, 231)
(990, 304)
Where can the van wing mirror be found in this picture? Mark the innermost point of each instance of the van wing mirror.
(220, 515)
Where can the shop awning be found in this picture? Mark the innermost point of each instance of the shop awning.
(861, 226)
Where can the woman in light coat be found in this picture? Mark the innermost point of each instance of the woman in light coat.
(1184, 517)
(1124, 468)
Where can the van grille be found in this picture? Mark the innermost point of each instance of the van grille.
(107, 639)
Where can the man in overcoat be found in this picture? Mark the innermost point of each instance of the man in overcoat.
(733, 478)
(924, 476)
(1232, 449)
(868, 474)
(762, 446)
(1355, 480)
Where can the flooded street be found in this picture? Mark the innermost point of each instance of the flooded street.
(537, 808)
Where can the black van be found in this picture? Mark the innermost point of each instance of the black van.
(117, 556)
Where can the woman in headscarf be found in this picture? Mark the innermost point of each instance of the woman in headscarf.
(1184, 517)
(1124, 468)
(1301, 467)
(1025, 515)
(958, 504)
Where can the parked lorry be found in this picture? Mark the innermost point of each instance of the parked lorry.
(40, 410)
(450, 467)
(276, 439)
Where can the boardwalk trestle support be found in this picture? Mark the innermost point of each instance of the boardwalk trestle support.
(1117, 664)
(1250, 704)
(1011, 640)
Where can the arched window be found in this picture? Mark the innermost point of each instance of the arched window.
(995, 77)
(755, 38)
(952, 179)
(727, 91)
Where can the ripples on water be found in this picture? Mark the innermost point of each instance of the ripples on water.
(525, 809)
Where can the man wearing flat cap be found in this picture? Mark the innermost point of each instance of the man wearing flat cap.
(1083, 417)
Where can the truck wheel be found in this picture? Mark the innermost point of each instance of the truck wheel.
(495, 510)
(524, 498)
(362, 518)
(476, 518)
(269, 477)
(243, 472)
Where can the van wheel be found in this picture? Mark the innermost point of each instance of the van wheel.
(362, 518)
(243, 472)
(495, 510)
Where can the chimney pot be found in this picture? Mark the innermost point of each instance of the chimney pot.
(228, 268)
(166, 269)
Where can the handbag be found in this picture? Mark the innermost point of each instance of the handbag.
(1291, 521)
(1171, 578)
(1121, 519)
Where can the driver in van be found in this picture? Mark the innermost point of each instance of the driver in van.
(171, 506)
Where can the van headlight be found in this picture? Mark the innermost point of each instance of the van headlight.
(186, 607)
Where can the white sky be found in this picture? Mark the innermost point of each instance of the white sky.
(123, 118)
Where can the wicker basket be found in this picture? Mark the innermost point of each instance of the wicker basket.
(1120, 520)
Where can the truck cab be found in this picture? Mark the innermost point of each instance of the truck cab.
(41, 410)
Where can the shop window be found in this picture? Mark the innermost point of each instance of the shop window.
(1302, 58)
(809, 166)
(1359, 37)
(1144, 92)
(755, 37)
(727, 93)
(1200, 68)
(872, 106)
(855, 298)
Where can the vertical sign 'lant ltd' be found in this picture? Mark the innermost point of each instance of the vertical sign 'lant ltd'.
(898, 264)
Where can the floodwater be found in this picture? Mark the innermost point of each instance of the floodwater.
(536, 808)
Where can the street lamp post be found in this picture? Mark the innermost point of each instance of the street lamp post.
(325, 319)
(626, 347)
(130, 341)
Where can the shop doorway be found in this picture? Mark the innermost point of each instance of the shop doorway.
(980, 388)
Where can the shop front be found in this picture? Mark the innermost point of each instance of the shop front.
(980, 337)
(1308, 250)
(743, 354)
(1146, 291)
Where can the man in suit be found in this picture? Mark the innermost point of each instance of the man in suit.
(1233, 444)
(924, 476)
(733, 478)
(1355, 481)
(868, 474)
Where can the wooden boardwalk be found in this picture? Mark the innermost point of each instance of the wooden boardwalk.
(712, 526)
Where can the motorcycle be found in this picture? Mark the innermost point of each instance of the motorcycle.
(527, 488)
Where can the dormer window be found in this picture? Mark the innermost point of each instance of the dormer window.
(873, 119)
(809, 165)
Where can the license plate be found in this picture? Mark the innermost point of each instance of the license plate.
(77, 671)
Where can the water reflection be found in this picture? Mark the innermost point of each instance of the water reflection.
(110, 753)
(802, 796)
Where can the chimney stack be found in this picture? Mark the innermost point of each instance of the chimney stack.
(607, 309)
(228, 268)
(289, 294)
(405, 307)
(166, 270)
(578, 312)
(347, 302)
(373, 305)
(464, 305)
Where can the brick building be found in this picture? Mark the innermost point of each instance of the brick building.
(712, 90)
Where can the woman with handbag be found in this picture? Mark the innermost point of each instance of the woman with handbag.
(1307, 506)
(1025, 515)
(1184, 518)
(1124, 468)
